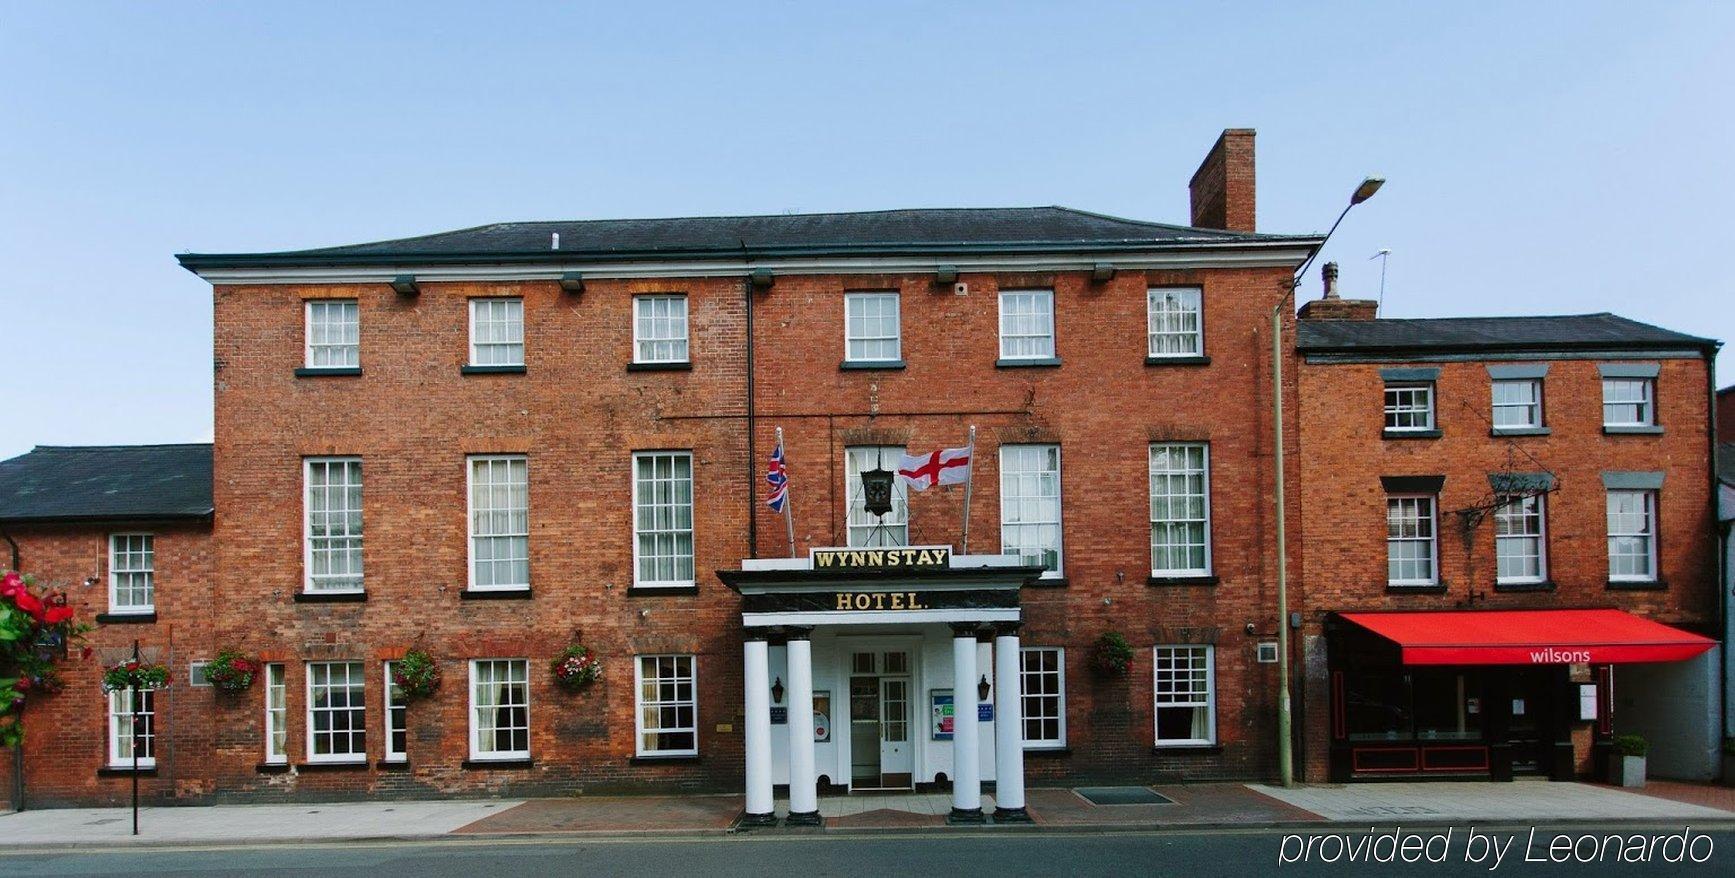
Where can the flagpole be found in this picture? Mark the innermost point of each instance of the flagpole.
(969, 482)
(788, 505)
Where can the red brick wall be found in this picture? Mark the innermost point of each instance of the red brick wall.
(66, 733)
(1343, 503)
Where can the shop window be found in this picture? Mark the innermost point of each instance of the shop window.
(1416, 706)
(499, 709)
(1185, 690)
(1042, 693)
(667, 715)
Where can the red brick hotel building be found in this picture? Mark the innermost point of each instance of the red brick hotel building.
(493, 444)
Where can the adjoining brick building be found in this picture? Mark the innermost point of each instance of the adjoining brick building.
(496, 443)
(1470, 485)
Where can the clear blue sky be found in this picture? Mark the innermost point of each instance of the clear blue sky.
(1542, 158)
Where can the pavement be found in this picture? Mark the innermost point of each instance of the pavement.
(1151, 808)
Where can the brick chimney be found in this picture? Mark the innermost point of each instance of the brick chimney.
(1222, 188)
(1331, 307)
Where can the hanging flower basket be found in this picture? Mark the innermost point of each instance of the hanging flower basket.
(1112, 656)
(416, 675)
(231, 671)
(575, 668)
(36, 628)
(134, 675)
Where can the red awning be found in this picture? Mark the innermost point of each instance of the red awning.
(1531, 637)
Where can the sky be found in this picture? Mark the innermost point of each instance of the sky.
(1541, 158)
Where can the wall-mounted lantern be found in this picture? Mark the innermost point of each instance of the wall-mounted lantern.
(777, 691)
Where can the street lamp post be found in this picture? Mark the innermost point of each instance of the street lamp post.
(1285, 737)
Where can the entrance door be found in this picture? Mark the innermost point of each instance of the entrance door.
(879, 721)
(1532, 728)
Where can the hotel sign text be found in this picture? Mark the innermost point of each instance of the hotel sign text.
(917, 558)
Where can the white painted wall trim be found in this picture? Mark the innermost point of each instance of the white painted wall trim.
(883, 617)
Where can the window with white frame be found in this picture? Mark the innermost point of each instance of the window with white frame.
(663, 519)
(1042, 695)
(1180, 509)
(333, 334)
(397, 717)
(1628, 402)
(1520, 550)
(1410, 547)
(1026, 324)
(660, 329)
(668, 711)
(1030, 504)
(866, 529)
(1517, 404)
(276, 715)
(132, 723)
(872, 332)
(500, 709)
(499, 522)
(1632, 536)
(336, 712)
(496, 332)
(132, 565)
(1186, 697)
(333, 518)
(1175, 322)
(1409, 407)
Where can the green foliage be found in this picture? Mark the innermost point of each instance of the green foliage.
(1112, 656)
(36, 628)
(134, 675)
(575, 668)
(1631, 745)
(231, 671)
(416, 675)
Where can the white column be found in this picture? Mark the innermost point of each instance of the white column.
(966, 738)
(1008, 729)
(756, 670)
(803, 784)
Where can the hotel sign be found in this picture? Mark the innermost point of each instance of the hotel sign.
(910, 558)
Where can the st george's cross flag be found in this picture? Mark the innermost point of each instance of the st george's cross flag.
(945, 466)
(778, 477)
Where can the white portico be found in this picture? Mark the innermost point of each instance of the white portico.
(882, 668)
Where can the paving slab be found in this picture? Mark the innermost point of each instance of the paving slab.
(1190, 805)
(242, 823)
(1519, 802)
(612, 814)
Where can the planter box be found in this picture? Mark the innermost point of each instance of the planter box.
(1626, 771)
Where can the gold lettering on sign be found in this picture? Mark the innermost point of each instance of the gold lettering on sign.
(837, 559)
(877, 600)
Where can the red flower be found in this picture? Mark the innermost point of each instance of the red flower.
(11, 584)
(86, 653)
(132, 666)
(29, 604)
(56, 614)
(22, 684)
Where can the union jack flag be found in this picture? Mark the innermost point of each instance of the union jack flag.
(778, 476)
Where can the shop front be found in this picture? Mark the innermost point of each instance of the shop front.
(882, 669)
(1495, 693)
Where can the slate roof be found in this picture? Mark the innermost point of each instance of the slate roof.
(1602, 331)
(883, 232)
(106, 482)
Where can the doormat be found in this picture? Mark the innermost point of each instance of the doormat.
(1123, 796)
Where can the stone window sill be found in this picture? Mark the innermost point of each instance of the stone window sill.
(1047, 751)
(1178, 361)
(1520, 431)
(327, 371)
(126, 618)
(1520, 587)
(660, 367)
(1050, 582)
(655, 591)
(330, 597)
(1027, 363)
(1187, 749)
(491, 370)
(126, 771)
(1632, 431)
(1437, 588)
(687, 759)
(272, 768)
(1198, 579)
(497, 764)
(1409, 434)
(359, 765)
(494, 594)
(869, 365)
(1638, 585)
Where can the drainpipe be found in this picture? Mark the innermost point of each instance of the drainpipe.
(752, 445)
